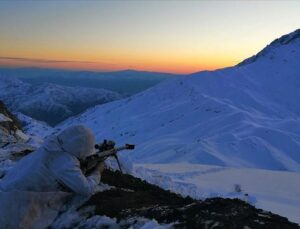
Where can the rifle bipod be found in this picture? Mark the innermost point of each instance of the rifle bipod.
(119, 164)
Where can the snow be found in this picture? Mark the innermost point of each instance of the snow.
(19, 134)
(154, 225)
(85, 218)
(50, 102)
(4, 118)
(205, 134)
(236, 117)
(274, 191)
(14, 144)
(98, 221)
(36, 131)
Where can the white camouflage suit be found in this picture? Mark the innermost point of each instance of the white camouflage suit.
(36, 181)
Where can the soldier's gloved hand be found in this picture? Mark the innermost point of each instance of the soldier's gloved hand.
(100, 167)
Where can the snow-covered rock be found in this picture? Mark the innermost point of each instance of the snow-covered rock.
(242, 116)
(9, 127)
(4, 118)
(7, 119)
(37, 131)
(14, 143)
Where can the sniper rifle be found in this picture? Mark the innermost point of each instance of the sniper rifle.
(104, 150)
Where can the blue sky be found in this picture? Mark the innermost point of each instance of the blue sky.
(174, 36)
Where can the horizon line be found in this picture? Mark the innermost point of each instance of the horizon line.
(36, 61)
(94, 71)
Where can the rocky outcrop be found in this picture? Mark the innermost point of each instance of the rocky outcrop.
(13, 142)
(8, 120)
(134, 198)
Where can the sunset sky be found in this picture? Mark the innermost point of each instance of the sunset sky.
(164, 36)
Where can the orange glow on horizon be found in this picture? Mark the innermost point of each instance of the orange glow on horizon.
(156, 65)
(163, 36)
(96, 67)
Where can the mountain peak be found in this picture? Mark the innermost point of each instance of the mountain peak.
(288, 38)
(283, 40)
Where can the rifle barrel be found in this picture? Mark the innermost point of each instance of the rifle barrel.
(112, 151)
(92, 160)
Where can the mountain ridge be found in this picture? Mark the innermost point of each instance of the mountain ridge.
(49, 102)
(283, 40)
(243, 116)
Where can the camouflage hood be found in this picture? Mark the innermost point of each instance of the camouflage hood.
(78, 141)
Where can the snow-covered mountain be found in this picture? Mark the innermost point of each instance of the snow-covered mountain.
(127, 82)
(242, 116)
(49, 102)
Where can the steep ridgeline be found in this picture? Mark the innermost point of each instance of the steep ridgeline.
(244, 116)
(10, 128)
(13, 142)
(8, 120)
(49, 102)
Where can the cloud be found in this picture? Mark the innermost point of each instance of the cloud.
(45, 61)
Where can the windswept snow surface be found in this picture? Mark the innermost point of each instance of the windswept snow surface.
(245, 116)
(275, 191)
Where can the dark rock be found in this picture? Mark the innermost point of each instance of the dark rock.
(133, 197)
(10, 126)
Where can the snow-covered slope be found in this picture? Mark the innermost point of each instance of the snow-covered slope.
(49, 102)
(243, 116)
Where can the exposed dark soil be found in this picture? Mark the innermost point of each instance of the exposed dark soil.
(134, 197)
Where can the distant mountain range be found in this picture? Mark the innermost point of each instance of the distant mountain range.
(126, 82)
(52, 95)
(50, 102)
(242, 116)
